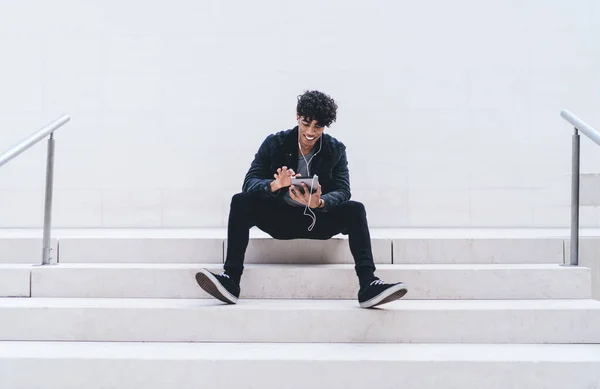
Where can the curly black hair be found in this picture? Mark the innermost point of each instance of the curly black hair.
(315, 105)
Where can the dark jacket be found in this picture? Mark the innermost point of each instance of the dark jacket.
(281, 149)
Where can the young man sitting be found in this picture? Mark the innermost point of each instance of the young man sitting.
(269, 202)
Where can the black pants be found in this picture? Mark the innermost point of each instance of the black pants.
(283, 221)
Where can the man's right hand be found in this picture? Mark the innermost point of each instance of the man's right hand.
(283, 178)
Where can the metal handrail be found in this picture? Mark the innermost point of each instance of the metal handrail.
(594, 135)
(31, 140)
(24, 145)
(582, 126)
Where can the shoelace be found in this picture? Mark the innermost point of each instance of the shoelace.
(224, 274)
(377, 282)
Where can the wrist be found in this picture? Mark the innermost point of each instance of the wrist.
(275, 186)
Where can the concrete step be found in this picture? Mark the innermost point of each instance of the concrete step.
(23, 249)
(314, 281)
(478, 250)
(62, 365)
(209, 250)
(15, 280)
(263, 249)
(304, 321)
(436, 246)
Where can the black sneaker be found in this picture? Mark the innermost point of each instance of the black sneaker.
(220, 286)
(379, 292)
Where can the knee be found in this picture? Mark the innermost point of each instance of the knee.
(354, 208)
(241, 200)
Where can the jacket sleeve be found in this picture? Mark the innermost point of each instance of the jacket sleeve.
(258, 178)
(341, 185)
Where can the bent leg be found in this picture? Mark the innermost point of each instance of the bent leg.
(245, 210)
(353, 218)
(350, 218)
(251, 210)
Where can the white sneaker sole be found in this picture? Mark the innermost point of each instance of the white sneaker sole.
(212, 286)
(390, 294)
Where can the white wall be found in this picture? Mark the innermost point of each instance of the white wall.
(450, 110)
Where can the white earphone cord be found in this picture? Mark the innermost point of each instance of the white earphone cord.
(306, 207)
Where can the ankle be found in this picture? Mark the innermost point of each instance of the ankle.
(233, 277)
(365, 280)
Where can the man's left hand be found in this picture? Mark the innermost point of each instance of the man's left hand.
(315, 198)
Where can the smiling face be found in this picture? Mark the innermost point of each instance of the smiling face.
(314, 112)
(308, 132)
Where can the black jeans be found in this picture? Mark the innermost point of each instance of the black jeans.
(283, 221)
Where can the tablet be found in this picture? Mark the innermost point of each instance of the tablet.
(311, 182)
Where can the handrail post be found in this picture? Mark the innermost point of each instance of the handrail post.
(46, 254)
(21, 147)
(574, 261)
